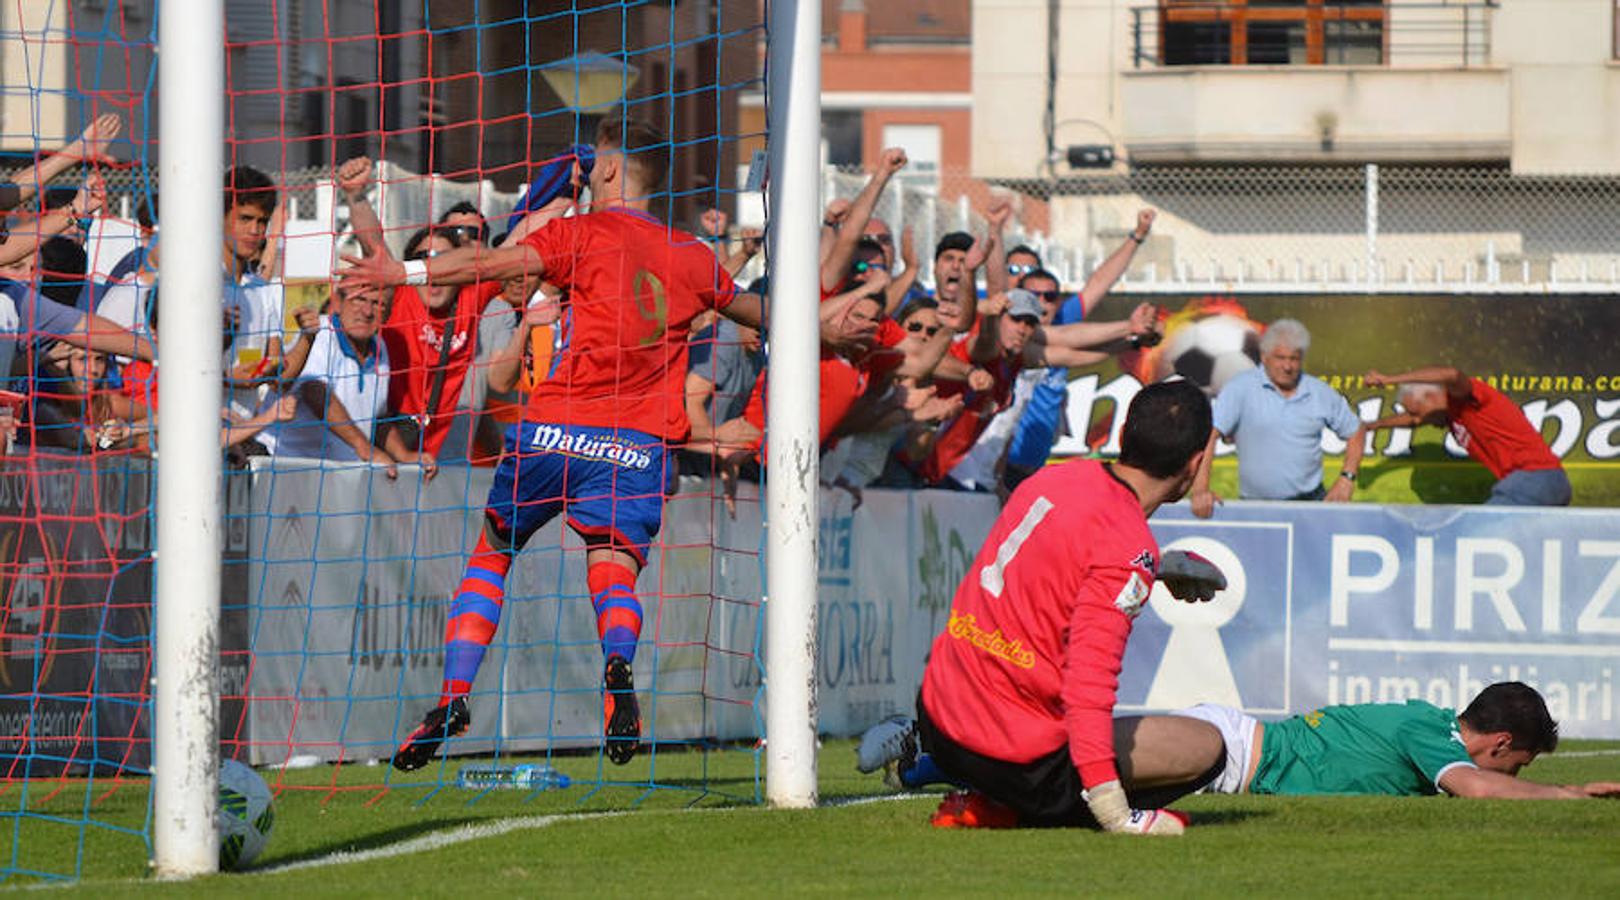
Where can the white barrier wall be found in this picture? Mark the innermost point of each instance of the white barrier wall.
(350, 576)
(350, 581)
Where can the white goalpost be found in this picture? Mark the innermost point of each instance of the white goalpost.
(793, 82)
(185, 696)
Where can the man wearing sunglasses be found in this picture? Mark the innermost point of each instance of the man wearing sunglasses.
(1059, 345)
(903, 284)
(464, 224)
(1039, 395)
(1022, 260)
(842, 232)
(433, 333)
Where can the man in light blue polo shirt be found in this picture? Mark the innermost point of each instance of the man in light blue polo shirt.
(1275, 414)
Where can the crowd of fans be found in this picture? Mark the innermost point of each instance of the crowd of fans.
(383, 379)
(962, 387)
(957, 387)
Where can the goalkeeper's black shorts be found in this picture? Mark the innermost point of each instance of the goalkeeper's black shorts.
(1045, 792)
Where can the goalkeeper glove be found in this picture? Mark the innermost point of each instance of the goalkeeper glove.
(1113, 811)
(1190, 576)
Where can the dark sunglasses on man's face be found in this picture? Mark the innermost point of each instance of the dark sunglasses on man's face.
(467, 233)
(1049, 296)
(861, 267)
(926, 330)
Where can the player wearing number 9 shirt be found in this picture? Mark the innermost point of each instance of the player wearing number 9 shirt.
(592, 444)
(1017, 698)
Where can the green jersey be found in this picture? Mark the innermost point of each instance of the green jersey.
(1371, 748)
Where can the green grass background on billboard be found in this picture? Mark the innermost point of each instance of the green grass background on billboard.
(1551, 349)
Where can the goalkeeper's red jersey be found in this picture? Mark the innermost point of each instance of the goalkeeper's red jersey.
(1029, 661)
(634, 285)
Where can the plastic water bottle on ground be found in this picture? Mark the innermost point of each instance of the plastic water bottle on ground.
(524, 777)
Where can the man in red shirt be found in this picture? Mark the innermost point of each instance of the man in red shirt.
(858, 346)
(594, 440)
(427, 376)
(1018, 695)
(426, 382)
(1488, 425)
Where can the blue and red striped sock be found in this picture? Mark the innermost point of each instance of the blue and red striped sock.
(474, 616)
(618, 612)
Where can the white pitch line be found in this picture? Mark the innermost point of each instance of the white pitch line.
(437, 840)
(1577, 754)
(876, 798)
(474, 832)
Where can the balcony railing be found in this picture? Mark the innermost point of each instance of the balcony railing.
(1294, 32)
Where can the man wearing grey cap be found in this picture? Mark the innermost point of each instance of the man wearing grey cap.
(1007, 340)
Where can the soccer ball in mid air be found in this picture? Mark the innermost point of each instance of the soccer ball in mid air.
(1208, 351)
(246, 814)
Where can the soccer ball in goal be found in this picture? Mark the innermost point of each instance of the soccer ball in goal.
(246, 814)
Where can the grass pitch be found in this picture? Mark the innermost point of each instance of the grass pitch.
(1430, 476)
(335, 831)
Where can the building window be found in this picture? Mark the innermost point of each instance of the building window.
(841, 136)
(1271, 32)
(922, 146)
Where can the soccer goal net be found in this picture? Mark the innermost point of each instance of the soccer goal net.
(450, 510)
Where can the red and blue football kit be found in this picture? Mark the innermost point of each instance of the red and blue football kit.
(1028, 664)
(594, 432)
(634, 286)
(592, 440)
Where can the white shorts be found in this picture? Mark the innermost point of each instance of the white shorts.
(1237, 730)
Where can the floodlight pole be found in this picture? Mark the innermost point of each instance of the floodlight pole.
(792, 488)
(185, 732)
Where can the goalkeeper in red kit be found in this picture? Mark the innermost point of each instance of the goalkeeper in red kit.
(1018, 695)
(593, 443)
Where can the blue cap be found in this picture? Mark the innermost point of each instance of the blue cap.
(553, 179)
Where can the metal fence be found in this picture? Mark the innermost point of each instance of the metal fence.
(1294, 228)
(1220, 228)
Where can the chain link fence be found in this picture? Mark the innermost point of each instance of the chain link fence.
(1219, 228)
(1292, 228)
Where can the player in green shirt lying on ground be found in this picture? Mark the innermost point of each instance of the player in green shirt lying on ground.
(1410, 748)
(1404, 749)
